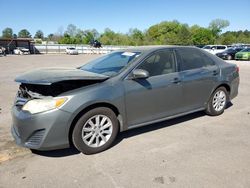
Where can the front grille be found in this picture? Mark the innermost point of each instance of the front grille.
(35, 139)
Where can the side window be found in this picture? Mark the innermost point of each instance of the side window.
(193, 59)
(162, 62)
(221, 47)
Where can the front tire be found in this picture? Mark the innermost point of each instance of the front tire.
(95, 131)
(217, 102)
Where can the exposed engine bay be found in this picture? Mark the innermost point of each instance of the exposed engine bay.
(37, 91)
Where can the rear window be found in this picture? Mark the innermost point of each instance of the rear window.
(190, 58)
(221, 47)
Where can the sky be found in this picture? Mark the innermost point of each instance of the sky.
(52, 16)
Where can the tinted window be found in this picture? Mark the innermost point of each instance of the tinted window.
(230, 50)
(246, 50)
(207, 47)
(238, 49)
(159, 63)
(221, 47)
(193, 59)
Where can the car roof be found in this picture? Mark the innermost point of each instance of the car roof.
(146, 49)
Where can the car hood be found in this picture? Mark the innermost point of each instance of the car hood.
(52, 75)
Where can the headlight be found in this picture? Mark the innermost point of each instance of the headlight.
(41, 105)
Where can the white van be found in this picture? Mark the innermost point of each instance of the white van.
(213, 49)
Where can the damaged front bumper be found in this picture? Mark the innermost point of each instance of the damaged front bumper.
(43, 131)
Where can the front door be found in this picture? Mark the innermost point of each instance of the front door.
(158, 96)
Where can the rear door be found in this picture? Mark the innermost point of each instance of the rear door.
(199, 75)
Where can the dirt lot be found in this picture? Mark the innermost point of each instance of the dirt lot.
(192, 151)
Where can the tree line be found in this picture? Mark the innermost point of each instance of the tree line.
(164, 33)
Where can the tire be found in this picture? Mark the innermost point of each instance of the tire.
(91, 137)
(229, 57)
(222, 95)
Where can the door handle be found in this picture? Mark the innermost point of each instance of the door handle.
(176, 81)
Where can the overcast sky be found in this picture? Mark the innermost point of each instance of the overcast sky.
(119, 15)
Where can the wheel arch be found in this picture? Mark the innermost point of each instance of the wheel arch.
(90, 107)
(225, 85)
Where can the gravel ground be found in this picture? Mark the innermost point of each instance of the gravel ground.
(192, 151)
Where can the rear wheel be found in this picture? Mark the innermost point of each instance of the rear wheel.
(95, 131)
(217, 102)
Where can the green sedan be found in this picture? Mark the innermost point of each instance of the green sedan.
(243, 54)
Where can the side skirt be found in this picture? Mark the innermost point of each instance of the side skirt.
(165, 118)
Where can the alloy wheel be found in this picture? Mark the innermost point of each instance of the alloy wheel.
(97, 131)
(219, 100)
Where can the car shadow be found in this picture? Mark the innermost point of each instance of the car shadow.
(57, 153)
(160, 125)
(156, 126)
(127, 134)
(230, 104)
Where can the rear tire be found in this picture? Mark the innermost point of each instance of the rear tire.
(95, 131)
(217, 102)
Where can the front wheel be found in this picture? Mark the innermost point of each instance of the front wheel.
(217, 102)
(95, 131)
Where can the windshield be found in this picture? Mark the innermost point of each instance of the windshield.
(245, 50)
(230, 50)
(207, 47)
(111, 64)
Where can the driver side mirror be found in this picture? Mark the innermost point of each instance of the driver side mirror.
(139, 74)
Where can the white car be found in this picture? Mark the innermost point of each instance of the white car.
(214, 49)
(71, 51)
(21, 51)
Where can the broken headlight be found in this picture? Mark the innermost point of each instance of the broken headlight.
(41, 105)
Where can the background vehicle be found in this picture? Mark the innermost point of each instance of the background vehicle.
(95, 44)
(71, 51)
(2, 51)
(90, 105)
(21, 51)
(213, 49)
(243, 54)
(229, 53)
